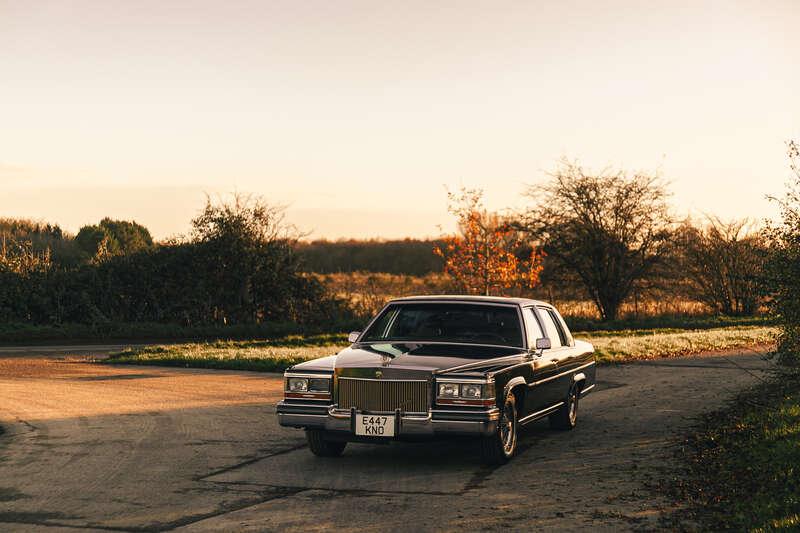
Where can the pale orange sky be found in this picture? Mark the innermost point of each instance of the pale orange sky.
(358, 114)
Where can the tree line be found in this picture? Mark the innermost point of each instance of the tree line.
(237, 266)
(606, 236)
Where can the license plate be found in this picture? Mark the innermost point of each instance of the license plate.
(375, 425)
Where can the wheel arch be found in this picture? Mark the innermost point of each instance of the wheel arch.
(579, 380)
(518, 387)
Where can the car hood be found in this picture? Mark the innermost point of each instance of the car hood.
(414, 360)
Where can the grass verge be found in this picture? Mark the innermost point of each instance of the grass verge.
(262, 356)
(660, 322)
(277, 355)
(23, 333)
(743, 464)
(12, 333)
(621, 346)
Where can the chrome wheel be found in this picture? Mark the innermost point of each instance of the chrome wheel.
(567, 415)
(573, 406)
(501, 445)
(507, 434)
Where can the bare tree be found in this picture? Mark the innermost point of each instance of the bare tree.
(610, 229)
(723, 262)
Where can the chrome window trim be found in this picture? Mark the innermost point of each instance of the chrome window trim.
(538, 320)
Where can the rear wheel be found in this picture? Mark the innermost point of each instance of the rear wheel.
(501, 446)
(567, 416)
(322, 447)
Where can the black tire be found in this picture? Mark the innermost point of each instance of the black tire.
(321, 447)
(500, 447)
(567, 416)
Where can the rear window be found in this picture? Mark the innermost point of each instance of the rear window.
(442, 322)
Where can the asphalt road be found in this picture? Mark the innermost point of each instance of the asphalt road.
(146, 448)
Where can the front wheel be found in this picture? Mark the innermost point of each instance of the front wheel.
(567, 416)
(500, 447)
(321, 447)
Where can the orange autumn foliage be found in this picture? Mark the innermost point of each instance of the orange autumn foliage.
(481, 257)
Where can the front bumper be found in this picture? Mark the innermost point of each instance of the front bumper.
(435, 422)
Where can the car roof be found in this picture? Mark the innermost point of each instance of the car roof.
(468, 298)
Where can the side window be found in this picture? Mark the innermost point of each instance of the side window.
(532, 326)
(563, 327)
(553, 332)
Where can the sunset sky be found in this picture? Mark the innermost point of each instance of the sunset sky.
(358, 115)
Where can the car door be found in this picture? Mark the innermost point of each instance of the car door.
(575, 359)
(551, 386)
(540, 367)
(545, 367)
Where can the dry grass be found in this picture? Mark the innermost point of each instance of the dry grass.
(262, 356)
(631, 346)
(275, 356)
(367, 292)
(644, 308)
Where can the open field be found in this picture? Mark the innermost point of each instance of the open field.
(275, 356)
(124, 448)
(613, 347)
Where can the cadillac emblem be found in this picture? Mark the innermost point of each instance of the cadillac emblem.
(378, 374)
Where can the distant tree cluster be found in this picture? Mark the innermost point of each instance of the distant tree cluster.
(238, 266)
(413, 257)
(112, 237)
(41, 239)
(607, 237)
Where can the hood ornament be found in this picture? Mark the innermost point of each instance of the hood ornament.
(378, 374)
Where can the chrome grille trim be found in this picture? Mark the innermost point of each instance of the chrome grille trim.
(384, 395)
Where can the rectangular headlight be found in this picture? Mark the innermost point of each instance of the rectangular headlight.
(298, 385)
(319, 385)
(448, 390)
(465, 393)
(471, 391)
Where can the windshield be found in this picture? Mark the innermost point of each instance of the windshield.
(443, 322)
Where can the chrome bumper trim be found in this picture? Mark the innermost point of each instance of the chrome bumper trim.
(412, 424)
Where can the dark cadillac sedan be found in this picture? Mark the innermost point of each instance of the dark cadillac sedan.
(443, 365)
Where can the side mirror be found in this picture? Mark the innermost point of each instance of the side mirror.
(353, 337)
(543, 344)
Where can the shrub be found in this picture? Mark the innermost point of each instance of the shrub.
(783, 267)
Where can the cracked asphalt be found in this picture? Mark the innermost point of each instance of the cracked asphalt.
(97, 447)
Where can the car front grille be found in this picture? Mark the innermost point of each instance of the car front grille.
(383, 395)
